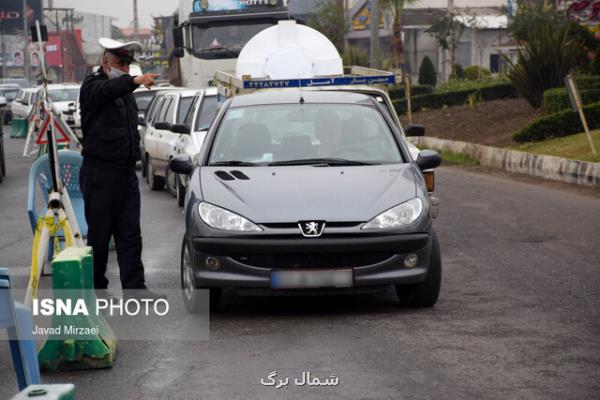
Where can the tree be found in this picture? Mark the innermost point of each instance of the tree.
(447, 32)
(543, 61)
(550, 47)
(331, 21)
(395, 8)
(427, 75)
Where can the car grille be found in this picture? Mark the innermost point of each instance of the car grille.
(307, 261)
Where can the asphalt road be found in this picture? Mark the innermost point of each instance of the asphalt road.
(518, 318)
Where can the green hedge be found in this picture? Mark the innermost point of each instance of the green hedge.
(475, 72)
(458, 97)
(563, 123)
(588, 82)
(397, 92)
(556, 100)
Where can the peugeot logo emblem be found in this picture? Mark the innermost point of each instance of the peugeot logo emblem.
(311, 228)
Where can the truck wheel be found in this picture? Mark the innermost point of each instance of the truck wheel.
(156, 182)
(426, 293)
(192, 298)
(180, 192)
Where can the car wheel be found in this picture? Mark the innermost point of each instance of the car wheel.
(192, 297)
(156, 182)
(426, 293)
(147, 158)
(171, 180)
(180, 191)
(2, 162)
(144, 168)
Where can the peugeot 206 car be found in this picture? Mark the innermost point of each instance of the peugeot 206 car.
(308, 190)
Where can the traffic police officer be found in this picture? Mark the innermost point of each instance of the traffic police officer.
(109, 118)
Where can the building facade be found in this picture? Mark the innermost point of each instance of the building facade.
(484, 40)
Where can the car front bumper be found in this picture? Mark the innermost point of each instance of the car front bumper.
(249, 262)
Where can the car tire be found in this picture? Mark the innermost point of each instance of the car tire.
(192, 297)
(180, 192)
(426, 293)
(171, 182)
(144, 168)
(156, 182)
(2, 161)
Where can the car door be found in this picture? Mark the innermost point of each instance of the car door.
(151, 135)
(184, 141)
(164, 136)
(19, 105)
(170, 139)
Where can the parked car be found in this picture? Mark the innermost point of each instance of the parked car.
(171, 107)
(10, 92)
(22, 104)
(64, 97)
(200, 117)
(300, 190)
(144, 100)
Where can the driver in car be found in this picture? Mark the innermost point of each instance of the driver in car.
(328, 131)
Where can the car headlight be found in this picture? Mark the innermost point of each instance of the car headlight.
(403, 214)
(219, 218)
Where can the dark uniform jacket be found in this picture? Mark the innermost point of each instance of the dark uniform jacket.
(109, 120)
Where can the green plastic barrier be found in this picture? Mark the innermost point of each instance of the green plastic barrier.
(72, 277)
(18, 128)
(47, 392)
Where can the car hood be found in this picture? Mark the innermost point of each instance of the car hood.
(298, 193)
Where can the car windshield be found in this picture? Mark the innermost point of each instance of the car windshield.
(63, 94)
(225, 40)
(143, 99)
(207, 112)
(21, 82)
(310, 134)
(10, 94)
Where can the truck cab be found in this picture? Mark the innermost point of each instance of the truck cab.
(213, 33)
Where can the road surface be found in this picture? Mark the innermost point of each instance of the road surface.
(518, 317)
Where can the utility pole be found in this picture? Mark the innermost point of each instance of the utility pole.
(26, 71)
(374, 33)
(136, 25)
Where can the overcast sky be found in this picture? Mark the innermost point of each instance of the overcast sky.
(121, 9)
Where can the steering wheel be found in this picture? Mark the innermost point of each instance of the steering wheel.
(352, 150)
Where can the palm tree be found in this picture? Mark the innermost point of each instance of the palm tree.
(395, 7)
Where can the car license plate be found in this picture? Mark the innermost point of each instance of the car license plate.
(312, 279)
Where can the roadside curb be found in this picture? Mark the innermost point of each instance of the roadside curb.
(559, 169)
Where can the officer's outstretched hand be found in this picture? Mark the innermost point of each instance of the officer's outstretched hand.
(146, 80)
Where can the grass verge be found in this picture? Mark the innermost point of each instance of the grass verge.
(575, 147)
(458, 159)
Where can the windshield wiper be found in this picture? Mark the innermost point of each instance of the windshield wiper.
(233, 163)
(326, 161)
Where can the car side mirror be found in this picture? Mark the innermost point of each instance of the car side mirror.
(180, 128)
(141, 120)
(71, 107)
(428, 159)
(3, 101)
(181, 165)
(414, 130)
(163, 126)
